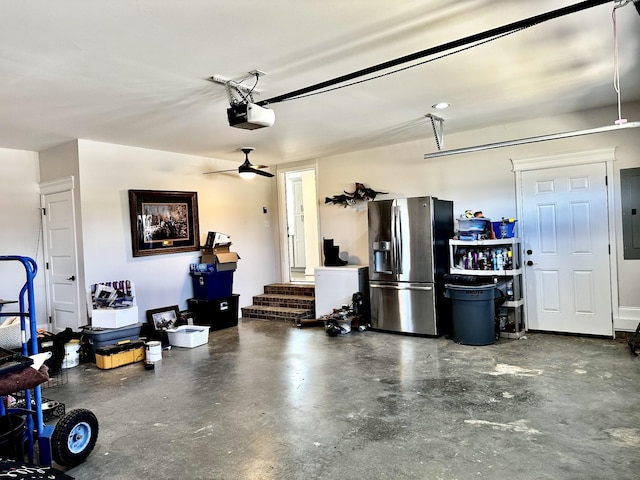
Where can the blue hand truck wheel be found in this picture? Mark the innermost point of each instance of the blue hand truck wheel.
(74, 437)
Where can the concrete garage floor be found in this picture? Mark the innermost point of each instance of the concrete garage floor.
(270, 401)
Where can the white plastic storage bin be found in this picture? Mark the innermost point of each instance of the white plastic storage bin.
(188, 336)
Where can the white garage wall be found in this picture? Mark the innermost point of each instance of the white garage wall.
(20, 226)
(477, 181)
(226, 203)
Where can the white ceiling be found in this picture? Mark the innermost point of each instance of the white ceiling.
(134, 72)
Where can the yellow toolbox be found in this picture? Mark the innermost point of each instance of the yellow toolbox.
(122, 353)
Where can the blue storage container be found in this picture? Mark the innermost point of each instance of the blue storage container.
(212, 285)
(479, 225)
(505, 229)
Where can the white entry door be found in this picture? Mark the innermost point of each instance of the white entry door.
(61, 270)
(566, 249)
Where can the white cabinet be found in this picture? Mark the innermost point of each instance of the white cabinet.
(501, 260)
(335, 286)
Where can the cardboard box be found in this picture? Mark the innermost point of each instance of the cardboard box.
(114, 317)
(120, 354)
(221, 258)
(188, 336)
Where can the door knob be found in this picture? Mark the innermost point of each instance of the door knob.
(529, 252)
(72, 278)
(529, 263)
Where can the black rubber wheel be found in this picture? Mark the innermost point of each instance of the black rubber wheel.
(74, 437)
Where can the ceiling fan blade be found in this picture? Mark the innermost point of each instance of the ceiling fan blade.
(221, 171)
(263, 173)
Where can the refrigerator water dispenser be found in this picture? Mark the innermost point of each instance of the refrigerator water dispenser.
(382, 257)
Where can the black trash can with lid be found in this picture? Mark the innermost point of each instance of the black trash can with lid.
(472, 309)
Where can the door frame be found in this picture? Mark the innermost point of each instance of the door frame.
(281, 172)
(66, 184)
(577, 158)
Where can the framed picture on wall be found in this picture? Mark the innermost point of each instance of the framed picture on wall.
(163, 222)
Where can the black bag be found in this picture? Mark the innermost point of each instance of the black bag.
(634, 342)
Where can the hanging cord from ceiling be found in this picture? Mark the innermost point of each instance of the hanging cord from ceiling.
(505, 29)
(39, 236)
(248, 98)
(616, 69)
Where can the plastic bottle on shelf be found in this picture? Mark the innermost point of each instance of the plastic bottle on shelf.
(510, 290)
(499, 260)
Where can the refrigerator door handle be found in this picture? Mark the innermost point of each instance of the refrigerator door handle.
(397, 235)
(400, 287)
(394, 239)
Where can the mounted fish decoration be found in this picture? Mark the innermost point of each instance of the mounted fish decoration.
(341, 199)
(360, 194)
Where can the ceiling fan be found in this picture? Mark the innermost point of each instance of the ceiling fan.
(247, 169)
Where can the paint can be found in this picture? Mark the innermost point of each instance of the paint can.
(71, 354)
(153, 351)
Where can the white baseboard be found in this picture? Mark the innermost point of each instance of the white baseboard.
(628, 319)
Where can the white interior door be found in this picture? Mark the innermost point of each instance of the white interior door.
(61, 260)
(298, 225)
(566, 249)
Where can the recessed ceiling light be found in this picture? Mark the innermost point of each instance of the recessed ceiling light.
(441, 105)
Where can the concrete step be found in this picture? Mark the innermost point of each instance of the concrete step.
(301, 289)
(283, 302)
(281, 314)
(279, 300)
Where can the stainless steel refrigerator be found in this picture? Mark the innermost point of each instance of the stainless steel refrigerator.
(408, 258)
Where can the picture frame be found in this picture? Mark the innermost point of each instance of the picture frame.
(163, 222)
(210, 239)
(163, 318)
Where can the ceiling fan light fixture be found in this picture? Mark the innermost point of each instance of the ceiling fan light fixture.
(246, 170)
